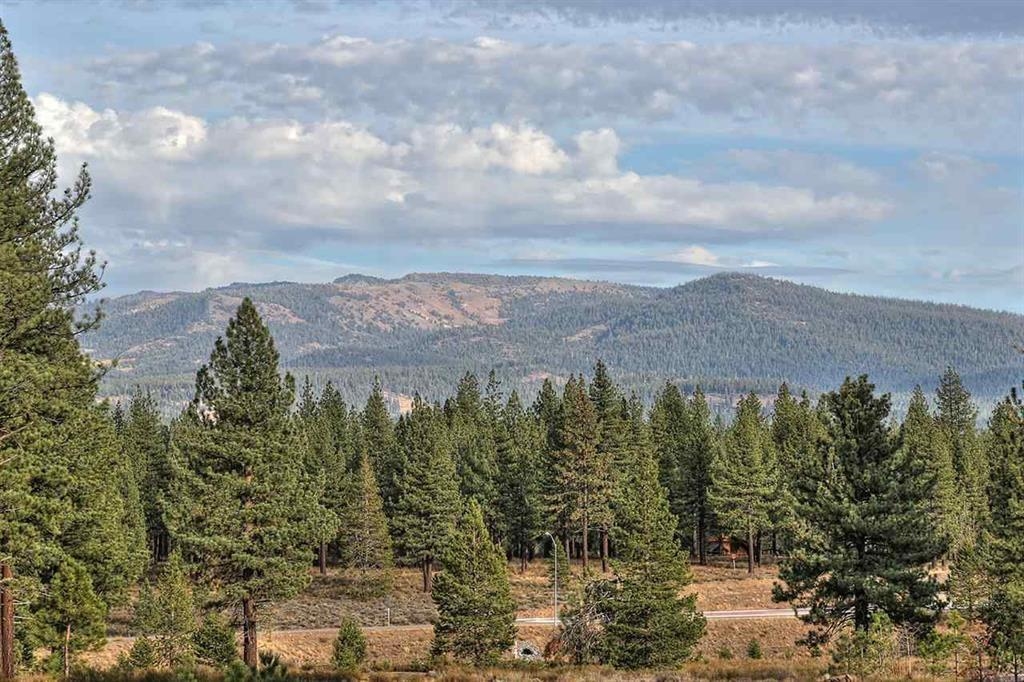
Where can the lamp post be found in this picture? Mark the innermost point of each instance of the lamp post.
(554, 552)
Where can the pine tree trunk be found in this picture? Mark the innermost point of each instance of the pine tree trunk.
(67, 651)
(585, 550)
(522, 558)
(425, 567)
(750, 551)
(6, 623)
(604, 550)
(250, 646)
(323, 557)
(759, 544)
(702, 541)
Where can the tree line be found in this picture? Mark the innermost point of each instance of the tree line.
(258, 480)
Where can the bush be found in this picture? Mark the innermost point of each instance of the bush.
(725, 653)
(349, 646)
(754, 650)
(214, 641)
(142, 656)
(863, 653)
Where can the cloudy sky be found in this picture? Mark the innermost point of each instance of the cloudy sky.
(862, 146)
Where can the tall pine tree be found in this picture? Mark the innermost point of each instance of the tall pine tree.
(244, 509)
(519, 484)
(745, 476)
(647, 623)
(428, 502)
(51, 431)
(868, 536)
(476, 614)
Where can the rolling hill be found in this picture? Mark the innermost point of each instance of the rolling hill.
(728, 332)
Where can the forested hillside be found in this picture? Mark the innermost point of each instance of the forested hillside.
(730, 333)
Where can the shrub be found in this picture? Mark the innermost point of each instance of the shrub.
(725, 653)
(754, 649)
(142, 656)
(865, 652)
(349, 646)
(214, 641)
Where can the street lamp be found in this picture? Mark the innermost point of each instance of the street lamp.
(554, 553)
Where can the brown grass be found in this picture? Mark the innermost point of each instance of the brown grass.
(301, 629)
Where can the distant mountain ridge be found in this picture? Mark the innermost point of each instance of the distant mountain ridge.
(728, 332)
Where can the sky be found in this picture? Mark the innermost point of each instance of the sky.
(870, 147)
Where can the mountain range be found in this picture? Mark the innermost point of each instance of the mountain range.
(730, 333)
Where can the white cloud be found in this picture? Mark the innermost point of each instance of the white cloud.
(874, 91)
(281, 180)
(695, 255)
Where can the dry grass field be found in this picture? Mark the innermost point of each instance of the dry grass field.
(301, 630)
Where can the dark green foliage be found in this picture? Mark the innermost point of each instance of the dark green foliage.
(244, 508)
(349, 646)
(581, 496)
(957, 417)
(923, 440)
(378, 434)
(746, 488)
(428, 501)
(519, 506)
(476, 614)
(143, 439)
(471, 429)
(1004, 612)
(754, 650)
(1004, 622)
(213, 642)
(646, 623)
(869, 535)
(68, 506)
(70, 617)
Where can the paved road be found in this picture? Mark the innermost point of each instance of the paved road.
(741, 614)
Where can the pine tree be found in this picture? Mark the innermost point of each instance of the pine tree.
(869, 534)
(1004, 612)
(547, 408)
(582, 497)
(1005, 444)
(797, 433)
(324, 467)
(244, 512)
(923, 440)
(165, 613)
(745, 476)
(144, 441)
(106, 532)
(957, 420)
(474, 447)
(476, 614)
(669, 420)
(428, 502)
(364, 540)
(647, 623)
(378, 437)
(70, 617)
(47, 385)
(611, 446)
(519, 483)
(699, 446)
